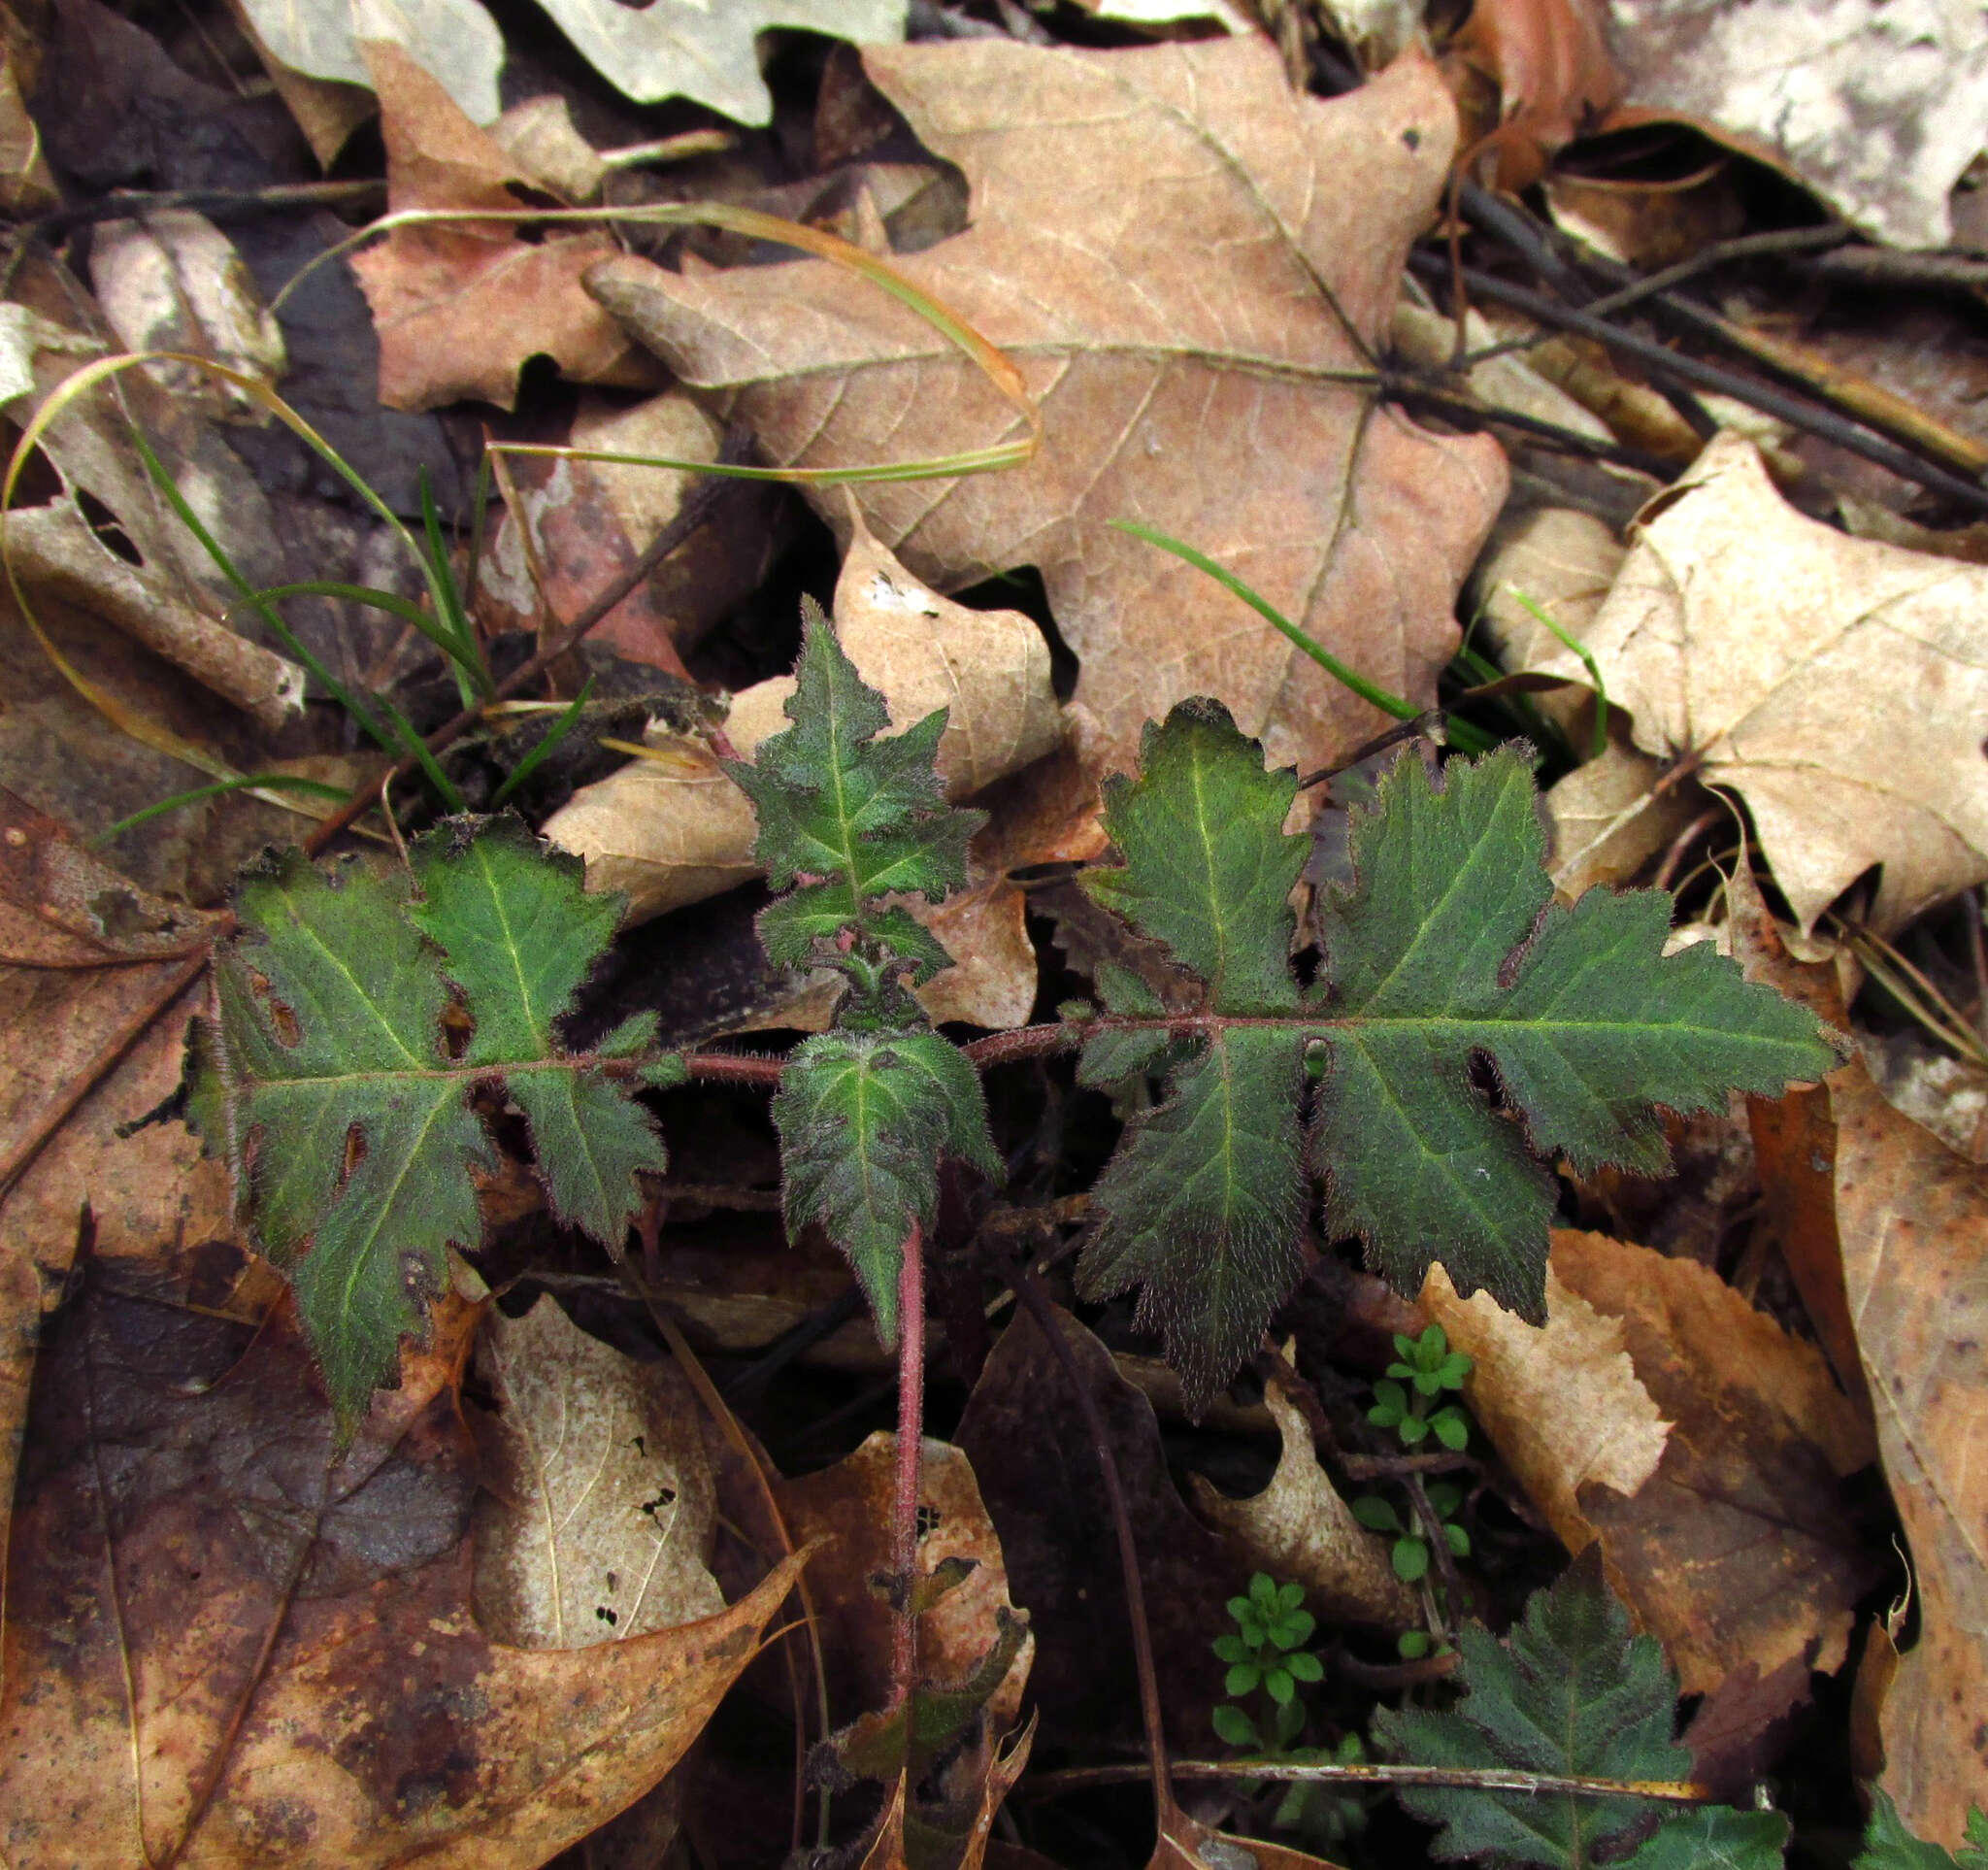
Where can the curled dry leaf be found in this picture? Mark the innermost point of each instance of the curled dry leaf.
(1193, 268)
(1551, 61)
(1737, 1546)
(265, 1647)
(1300, 1529)
(1877, 108)
(459, 306)
(1909, 1216)
(597, 1518)
(172, 599)
(1608, 819)
(1835, 683)
(670, 833)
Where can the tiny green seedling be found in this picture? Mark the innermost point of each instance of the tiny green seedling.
(1266, 1652)
(1410, 1552)
(1428, 1366)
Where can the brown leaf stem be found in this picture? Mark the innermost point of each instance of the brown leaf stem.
(1663, 1791)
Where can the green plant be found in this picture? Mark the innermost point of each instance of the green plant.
(1888, 1845)
(1571, 1694)
(1428, 1366)
(1266, 1652)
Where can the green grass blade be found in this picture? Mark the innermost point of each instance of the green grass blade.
(458, 638)
(1538, 614)
(281, 782)
(1464, 736)
(552, 738)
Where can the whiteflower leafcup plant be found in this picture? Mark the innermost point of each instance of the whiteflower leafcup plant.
(356, 1011)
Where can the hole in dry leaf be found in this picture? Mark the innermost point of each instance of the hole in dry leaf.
(103, 523)
(929, 1518)
(605, 1615)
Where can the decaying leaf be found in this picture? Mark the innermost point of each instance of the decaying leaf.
(1912, 1218)
(1835, 683)
(265, 1651)
(1876, 108)
(174, 281)
(597, 1520)
(576, 525)
(1300, 1529)
(1549, 60)
(1727, 1533)
(1025, 1435)
(667, 833)
(1193, 267)
(460, 305)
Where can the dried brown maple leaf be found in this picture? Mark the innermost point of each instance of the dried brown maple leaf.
(1193, 268)
(459, 306)
(1836, 683)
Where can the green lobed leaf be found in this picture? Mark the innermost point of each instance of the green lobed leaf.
(1443, 952)
(845, 817)
(1890, 1845)
(326, 1080)
(1572, 1694)
(1715, 1837)
(864, 1119)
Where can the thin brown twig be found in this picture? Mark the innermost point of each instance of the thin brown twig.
(1823, 423)
(216, 203)
(1663, 1791)
(1028, 1289)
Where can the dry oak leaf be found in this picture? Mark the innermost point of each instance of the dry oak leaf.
(1909, 1216)
(1836, 684)
(1876, 106)
(261, 1652)
(459, 306)
(1193, 268)
(1738, 1548)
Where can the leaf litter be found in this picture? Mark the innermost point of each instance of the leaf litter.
(1199, 274)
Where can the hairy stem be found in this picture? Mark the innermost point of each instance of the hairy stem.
(910, 1429)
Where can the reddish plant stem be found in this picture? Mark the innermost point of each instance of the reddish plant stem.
(910, 1430)
(733, 1068)
(1023, 1042)
(1028, 1288)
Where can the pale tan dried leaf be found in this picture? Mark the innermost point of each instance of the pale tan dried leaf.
(324, 108)
(27, 187)
(597, 1520)
(461, 306)
(1300, 1529)
(1193, 268)
(1562, 1404)
(670, 834)
(1835, 683)
(174, 281)
(709, 53)
(454, 40)
(538, 137)
(1876, 108)
(1608, 819)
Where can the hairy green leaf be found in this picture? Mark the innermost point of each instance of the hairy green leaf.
(327, 1080)
(864, 1119)
(1443, 953)
(846, 819)
(1715, 1837)
(1572, 1693)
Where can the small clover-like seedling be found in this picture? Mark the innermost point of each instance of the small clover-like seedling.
(1410, 1554)
(1430, 1367)
(1266, 1652)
